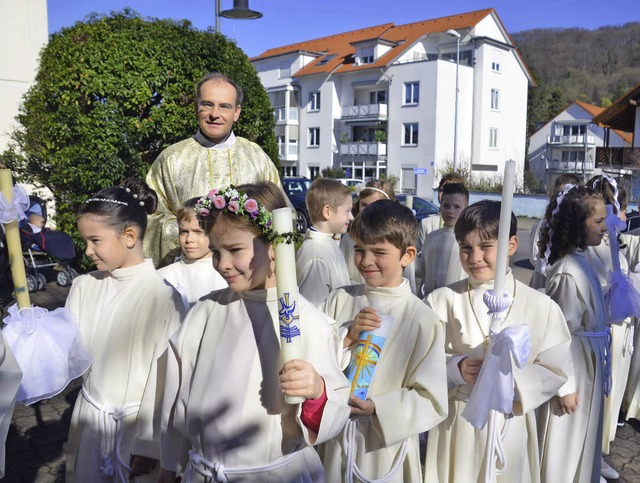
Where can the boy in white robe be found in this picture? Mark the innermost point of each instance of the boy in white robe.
(407, 394)
(320, 265)
(192, 275)
(440, 249)
(455, 448)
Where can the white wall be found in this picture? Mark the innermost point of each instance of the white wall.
(23, 33)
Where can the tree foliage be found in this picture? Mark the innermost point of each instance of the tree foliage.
(111, 93)
(594, 66)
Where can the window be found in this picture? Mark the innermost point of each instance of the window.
(496, 57)
(410, 137)
(408, 180)
(284, 69)
(574, 130)
(495, 100)
(411, 93)
(326, 59)
(572, 156)
(493, 138)
(314, 101)
(366, 56)
(495, 66)
(378, 97)
(314, 137)
(314, 172)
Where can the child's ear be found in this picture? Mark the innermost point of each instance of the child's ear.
(513, 245)
(326, 212)
(131, 236)
(409, 256)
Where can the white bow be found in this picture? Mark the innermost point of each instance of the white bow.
(14, 210)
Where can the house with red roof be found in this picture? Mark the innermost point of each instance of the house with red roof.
(406, 100)
(568, 143)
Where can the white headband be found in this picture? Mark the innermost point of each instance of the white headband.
(374, 189)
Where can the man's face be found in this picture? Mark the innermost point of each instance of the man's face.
(217, 110)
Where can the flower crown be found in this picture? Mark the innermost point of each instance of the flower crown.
(238, 203)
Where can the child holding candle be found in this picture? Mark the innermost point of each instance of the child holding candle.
(126, 313)
(224, 413)
(407, 393)
(571, 425)
(320, 266)
(440, 253)
(192, 275)
(371, 192)
(455, 448)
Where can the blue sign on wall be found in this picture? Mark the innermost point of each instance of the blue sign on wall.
(419, 170)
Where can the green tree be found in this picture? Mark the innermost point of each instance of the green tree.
(111, 93)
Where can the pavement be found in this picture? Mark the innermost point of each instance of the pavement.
(36, 443)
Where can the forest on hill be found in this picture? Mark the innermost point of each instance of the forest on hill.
(594, 66)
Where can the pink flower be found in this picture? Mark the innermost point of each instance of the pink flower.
(212, 193)
(219, 202)
(234, 206)
(251, 205)
(203, 212)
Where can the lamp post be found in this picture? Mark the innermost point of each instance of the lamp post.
(456, 34)
(240, 11)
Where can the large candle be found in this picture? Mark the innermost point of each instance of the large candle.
(409, 202)
(287, 289)
(14, 246)
(504, 228)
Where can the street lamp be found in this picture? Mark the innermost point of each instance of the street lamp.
(456, 34)
(240, 11)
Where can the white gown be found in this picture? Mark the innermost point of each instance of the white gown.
(10, 376)
(193, 279)
(125, 319)
(223, 398)
(441, 256)
(455, 449)
(408, 387)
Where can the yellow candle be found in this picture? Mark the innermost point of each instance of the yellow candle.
(14, 246)
(287, 289)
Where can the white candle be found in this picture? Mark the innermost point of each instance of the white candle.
(505, 227)
(409, 202)
(287, 289)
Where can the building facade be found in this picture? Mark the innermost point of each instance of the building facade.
(568, 143)
(382, 101)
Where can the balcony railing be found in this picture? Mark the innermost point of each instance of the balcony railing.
(571, 166)
(618, 157)
(573, 139)
(363, 149)
(365, 111)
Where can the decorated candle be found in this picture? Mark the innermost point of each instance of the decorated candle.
(287, 290)
(365, 356)
(14, 246)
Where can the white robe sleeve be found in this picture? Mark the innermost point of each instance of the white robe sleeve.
(314, 280)
(10, 377)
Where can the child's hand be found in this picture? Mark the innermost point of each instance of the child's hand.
(366, 319)
(141, 465)
(360, 407)
(299, 378)
(469, 369)
(567, 404)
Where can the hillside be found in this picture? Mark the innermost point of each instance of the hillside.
(595, 66)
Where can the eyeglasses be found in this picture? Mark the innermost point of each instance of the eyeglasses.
(206, 106)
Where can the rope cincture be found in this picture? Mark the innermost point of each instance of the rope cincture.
(110, 433)
(218, 473)
(349, 443)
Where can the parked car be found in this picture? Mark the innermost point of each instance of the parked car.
(350, 182)
(296, 190)
(633, 225)
(422, 206)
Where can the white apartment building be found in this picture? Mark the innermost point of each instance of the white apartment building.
(567, 144)
(383, 100)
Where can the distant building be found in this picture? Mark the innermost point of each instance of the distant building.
(381, 100)
(622, 115)
(568, 143)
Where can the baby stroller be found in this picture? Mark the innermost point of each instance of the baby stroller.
(45, 249)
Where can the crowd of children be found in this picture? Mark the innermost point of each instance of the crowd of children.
(188, 381)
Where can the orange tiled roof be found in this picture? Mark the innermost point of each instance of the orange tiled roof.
(341, 45)
(595, 110)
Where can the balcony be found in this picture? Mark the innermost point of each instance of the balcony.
(577, 139)
(618, 158)
(365, 112)
(280, 113)
(288, 153)
(363, 149)
(577, 167)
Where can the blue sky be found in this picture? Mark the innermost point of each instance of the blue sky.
(289, 21)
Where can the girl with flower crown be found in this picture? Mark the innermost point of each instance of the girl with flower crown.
(126, 314)
(571, 424)
(224, 416)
